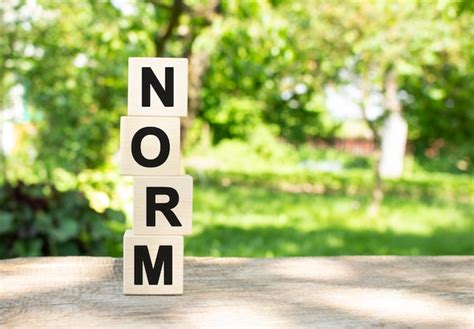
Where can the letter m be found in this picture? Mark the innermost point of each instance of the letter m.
(164, 259)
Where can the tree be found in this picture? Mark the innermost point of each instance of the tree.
(380, 43)
(260, 76)
(177, 38)
(15, 26)
(440, 109)
(77, 87)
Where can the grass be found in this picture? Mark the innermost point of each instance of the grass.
(251, 221)
(256, 200)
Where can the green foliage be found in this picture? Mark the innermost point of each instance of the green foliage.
(39, 220)
(76, 80)
(440, 109)
(269, 62)
(428, 47)
(236, 117)
(257, 75)
(450, 159)
(261, 149)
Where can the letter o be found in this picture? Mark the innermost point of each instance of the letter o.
(137, 151)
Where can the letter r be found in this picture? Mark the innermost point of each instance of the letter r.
(152, 206)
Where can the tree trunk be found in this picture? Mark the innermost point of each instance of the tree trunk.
(198, 61)
(391, 143)
(4, 94)
(3, 157)
(394, 135)
(378, 188)
(377, 194)
(161, 38)
(198, 65)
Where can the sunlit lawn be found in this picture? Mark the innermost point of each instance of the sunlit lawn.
(251, 221)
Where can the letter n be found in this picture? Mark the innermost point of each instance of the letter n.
(165, 94)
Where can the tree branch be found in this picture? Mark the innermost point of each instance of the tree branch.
(377, 190)
(362, 104)
(392, 102)
(175, 12)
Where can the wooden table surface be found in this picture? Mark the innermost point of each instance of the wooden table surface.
(434, 292)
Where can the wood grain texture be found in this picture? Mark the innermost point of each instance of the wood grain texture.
(153, 242)
(183, 210)
(158, 64)
(324, 292)
(150, 145)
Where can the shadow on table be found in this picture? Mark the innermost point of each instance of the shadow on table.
(241, 292)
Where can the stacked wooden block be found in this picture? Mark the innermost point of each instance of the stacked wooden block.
(162, 199)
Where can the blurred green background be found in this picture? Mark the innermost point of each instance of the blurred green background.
(286, 138)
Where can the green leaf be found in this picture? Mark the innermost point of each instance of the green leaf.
(99, 230)
(28, 247)
(6, 221)
(68, 249)
(67, 229)
(43, 222)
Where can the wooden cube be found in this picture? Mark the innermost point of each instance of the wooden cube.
(152, 264)
(162, 205)
(149, 146)
(157, 86)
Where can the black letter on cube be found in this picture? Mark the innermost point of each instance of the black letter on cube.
(166, 94)
(137, 151)
(164, 258)
(152, 206)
